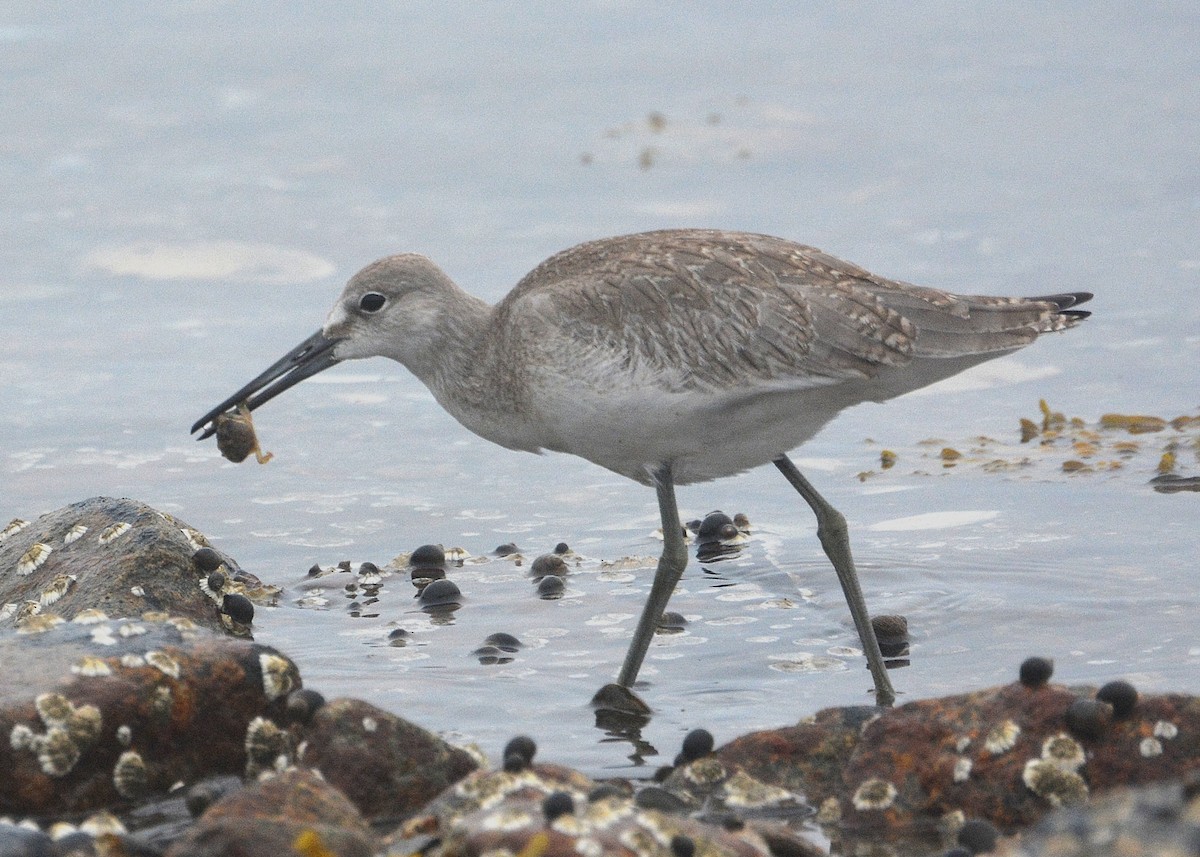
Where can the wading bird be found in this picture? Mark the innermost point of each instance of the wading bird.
(669, 357)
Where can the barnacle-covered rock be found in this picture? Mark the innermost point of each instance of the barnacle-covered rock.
(121, 557)
(99, 712)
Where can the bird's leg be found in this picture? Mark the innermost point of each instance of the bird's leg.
(835, 539)
(670, 569)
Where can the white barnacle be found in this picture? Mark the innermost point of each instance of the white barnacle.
(507, 820)
(115, 531)
(124, 735)
(874, 794)
(57, 752)
(1002, 738)
(194, 539)
(13, 527)
(90, 616)
(265, 743)
(277, 675)
(131, 629)
(830, 811)
(102, 635)
(33, 558)
(1064, 751)
(130, 775)
(164, 663)
(85, 725)
(22, 737)
(58, 587)
(705, 771)
(53, 708)
(100, 823)
(1150, 747)
(1165, 729)
(74, 534)
(962, 769)
(962, 743)
(162, 701)
(369, 724)
(139, 591)
(132, 661)
(91, 666)
(1058, 787)
(586, 846)
(8, 610)
(38, 624)
(60, 830)
(742, 790)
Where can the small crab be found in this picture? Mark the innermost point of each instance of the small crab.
(236, 438)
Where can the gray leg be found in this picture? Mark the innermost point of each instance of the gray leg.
(835, 539)
(670, 568)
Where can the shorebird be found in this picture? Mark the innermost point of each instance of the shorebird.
(669, 357)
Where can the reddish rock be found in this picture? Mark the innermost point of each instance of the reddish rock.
(295, 812)
(388, 767)
(1004, 754)
(105, 712)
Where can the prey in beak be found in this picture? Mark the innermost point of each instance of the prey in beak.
(311, 356)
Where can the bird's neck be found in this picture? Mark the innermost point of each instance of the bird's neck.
(465, 365)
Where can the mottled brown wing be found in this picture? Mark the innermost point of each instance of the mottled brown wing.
(714, 310)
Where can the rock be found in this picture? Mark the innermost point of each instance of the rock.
(1003, 754)
(119, 556)
(99, 712)
(295, 812)
(481, 789)
(1158, 819)
(547, 810)
(388, 767)
(612, 826)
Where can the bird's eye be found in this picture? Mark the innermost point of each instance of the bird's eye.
(371, 302)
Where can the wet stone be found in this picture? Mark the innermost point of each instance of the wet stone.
(440, 593)
(158, 702)
(295, 812)
(118, 556)
(551, 588)
(428, 556)
(386, 765)
(672, 622)
(1157, 819)
(547, 564)
(1004, 755)
(503, 641)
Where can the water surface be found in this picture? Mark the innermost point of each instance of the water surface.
(189, 185)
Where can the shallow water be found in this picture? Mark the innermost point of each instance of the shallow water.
(189, 186)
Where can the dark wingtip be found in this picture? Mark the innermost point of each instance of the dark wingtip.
(1065, 300)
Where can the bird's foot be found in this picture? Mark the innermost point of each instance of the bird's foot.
(620, 700)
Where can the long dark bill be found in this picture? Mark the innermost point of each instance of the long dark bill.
(311, 356)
